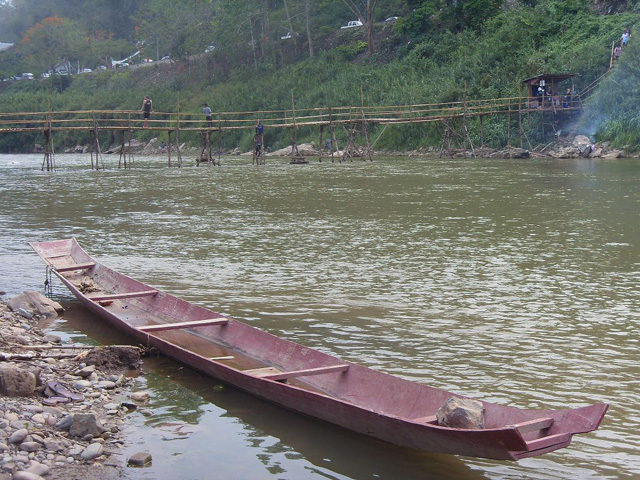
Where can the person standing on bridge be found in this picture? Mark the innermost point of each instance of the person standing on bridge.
(146, 109)
(207, 114)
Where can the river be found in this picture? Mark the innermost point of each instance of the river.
(512, 281)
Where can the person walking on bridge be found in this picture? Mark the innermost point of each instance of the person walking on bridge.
(146, 109)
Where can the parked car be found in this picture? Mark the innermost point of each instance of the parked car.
(210, 48)
(86, 70)
(391, 19)
(353, 24)
(45, 75)
(166, 57)
(27, 76)
(289, 35)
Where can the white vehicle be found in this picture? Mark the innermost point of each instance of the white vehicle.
(391, 19)
(86, 70)
(353, 24)
(27, 76)
(210, 48)
(289, 35)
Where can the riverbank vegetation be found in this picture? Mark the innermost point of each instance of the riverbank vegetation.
(260, 54)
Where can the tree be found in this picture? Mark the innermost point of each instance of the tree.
(365, 13)
(177, 28)
(54, 40)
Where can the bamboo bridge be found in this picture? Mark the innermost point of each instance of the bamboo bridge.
(354, 121)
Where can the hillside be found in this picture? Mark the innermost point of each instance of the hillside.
(432, 53)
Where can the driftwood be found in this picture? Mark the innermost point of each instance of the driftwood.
(40, 351)
(10, 357)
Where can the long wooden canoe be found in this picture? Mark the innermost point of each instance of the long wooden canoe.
(303, 379)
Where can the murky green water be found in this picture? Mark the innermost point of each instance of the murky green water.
(512, 281)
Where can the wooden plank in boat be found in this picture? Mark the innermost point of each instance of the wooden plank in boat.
(77, 266)
(548, 441)
(307, 372)
(533, 425)
(261, 372)
(115, 296)
(216, 359)
(190, 324)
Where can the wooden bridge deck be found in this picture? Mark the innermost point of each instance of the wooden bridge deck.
(130, 120)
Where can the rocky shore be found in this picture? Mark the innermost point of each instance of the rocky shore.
(578, 146)
(62, 406)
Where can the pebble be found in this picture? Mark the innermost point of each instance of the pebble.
(39, 469)
(38, 418)
(24, 475)
(92, 451)
(18, 436)
(30, 446)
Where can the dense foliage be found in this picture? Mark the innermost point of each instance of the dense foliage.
(436, 51)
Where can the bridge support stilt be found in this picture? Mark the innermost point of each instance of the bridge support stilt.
(126, 155)
(95, 148)
(49, 155)
(205, 153)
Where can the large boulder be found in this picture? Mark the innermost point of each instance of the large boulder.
(305, 149)
(461, 413)
(17, 382)
(34, 303)
(581, 141)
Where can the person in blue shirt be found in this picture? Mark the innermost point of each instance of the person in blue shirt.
(207, 114)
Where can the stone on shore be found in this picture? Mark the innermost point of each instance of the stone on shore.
(35, 304)
(25, 475)
(85, 424)
(92, 451)
(17, 382)
(18, 436)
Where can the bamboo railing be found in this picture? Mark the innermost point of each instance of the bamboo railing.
(130, 120)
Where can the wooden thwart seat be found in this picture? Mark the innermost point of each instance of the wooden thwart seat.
(305, 372)
(77, 266)
(116, 296)
(533, 425)
(548, 441)
(216, 359)
(190, 324)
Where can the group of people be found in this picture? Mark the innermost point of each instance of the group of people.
(545, 94)
(258, 138)
(624, 41)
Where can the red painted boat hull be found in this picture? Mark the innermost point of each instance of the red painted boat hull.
(316, 384)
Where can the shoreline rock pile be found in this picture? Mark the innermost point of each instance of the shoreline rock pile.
(578, 146)
(61, 412)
